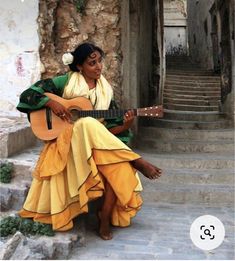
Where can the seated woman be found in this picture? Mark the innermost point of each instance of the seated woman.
(86, 161)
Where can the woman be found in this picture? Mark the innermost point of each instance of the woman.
(87, 160)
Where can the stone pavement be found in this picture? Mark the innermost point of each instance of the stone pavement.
(159, 231)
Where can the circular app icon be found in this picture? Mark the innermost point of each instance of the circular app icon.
(207, 232)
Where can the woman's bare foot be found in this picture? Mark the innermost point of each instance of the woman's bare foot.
(147, 169)
(104, 227)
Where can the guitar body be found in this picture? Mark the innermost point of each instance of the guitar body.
(39, 119)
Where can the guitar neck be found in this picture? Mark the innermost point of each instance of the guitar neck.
(107, 114)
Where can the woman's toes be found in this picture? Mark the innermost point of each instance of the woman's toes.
(106, 236)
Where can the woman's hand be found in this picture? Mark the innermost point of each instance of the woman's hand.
(59, 110)
(128, 119)
(127, 122)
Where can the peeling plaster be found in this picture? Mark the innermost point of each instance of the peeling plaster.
(19, 57)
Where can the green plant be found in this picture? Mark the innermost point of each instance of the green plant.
(80, 5)
(10, 225)
(6, 172)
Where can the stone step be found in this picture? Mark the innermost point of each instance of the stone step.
(190, 87)
(185, 76)
(195, 161)
(186, 146)
(27, 158)
(189, 68)
(190, 72)
(15, 136)
(4, 214)
(190, 92)
(216, 194)
(192, 84)
(187, 134)
(181, 60)
(189, 124)
(183, 107)
(198, 177)
(184, 67)
(191, 101)
(193, 79)
(178, 57)
(191, 177)
(182, 63)
(13, 194)
(59, 246)
(192, 115)
(195, 97)
(195, 82)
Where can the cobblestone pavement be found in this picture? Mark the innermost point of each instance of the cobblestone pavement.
(159, 231)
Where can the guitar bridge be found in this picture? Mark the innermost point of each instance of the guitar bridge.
(48, 118)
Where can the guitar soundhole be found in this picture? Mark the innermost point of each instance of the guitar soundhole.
(74, 114)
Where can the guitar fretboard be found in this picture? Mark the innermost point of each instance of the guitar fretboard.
(107, 114)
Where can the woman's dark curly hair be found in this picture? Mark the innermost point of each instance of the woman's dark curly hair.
(81, 53)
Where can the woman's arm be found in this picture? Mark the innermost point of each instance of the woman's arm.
(33, 98)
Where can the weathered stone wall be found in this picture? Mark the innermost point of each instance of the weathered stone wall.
(145, 51)
(199, 28)
(229, 103)
(62, 28)
(214, 19)
(19, 57)
(159, 59)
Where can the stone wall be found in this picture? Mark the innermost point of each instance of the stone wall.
(229, 103)
(123, 29)
(62, 28)
(211, 43)
(19, 57)
(199, 24)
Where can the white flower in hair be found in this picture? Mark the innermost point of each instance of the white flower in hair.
(67, 58)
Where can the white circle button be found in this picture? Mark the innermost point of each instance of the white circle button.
(207, 232)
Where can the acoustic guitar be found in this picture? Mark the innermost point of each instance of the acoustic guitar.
(46, 125)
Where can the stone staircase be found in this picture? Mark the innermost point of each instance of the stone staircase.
(20, 147)
(191, 97)
(193, 143)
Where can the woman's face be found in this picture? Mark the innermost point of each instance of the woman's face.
(92, 67)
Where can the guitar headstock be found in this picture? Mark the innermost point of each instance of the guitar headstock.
(153, 111)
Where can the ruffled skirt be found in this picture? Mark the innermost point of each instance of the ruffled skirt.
(73, 169)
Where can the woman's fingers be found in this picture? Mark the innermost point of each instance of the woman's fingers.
(129, 115)
(64, 114)
(128, 119)
(59, 110)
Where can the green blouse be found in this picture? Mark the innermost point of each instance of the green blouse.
(33, 98)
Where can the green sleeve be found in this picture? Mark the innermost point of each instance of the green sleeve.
(124, 136)
(33, 98)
